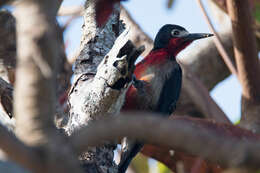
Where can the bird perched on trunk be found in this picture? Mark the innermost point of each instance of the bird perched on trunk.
(157, 82)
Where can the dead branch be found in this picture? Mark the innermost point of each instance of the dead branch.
(202, 134)
(102, 79)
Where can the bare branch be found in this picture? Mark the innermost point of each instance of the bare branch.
(102, 77)
(247, 61)
(35, 90)
(178, 134)
(201, 98)
(71, 11)
(36, 71)
(245, 48)
(17, 151)
(218, 42)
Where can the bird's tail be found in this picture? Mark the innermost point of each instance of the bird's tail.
(129, 151)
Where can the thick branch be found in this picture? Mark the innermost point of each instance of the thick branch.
(35, 72)
(196, 137)
(17, 151)
(35, 88)
(245, 48)
(247, 61)
(201, 97)
(102, 79)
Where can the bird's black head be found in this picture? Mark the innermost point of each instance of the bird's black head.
(175, 38)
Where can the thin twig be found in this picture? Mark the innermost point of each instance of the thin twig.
(218, 42)
(71, 11)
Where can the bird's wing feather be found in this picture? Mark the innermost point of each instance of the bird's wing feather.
(170, 92)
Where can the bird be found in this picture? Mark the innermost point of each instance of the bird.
(157, 81)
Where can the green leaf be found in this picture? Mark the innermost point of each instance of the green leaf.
(257, 11)
(140, 164)
(163, 169)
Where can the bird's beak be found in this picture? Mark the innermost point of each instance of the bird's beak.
(196, 36)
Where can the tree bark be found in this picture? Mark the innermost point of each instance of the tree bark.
(247, 61)
(197, 138)
(102, 79)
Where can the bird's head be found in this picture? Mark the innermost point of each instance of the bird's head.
(175, 38)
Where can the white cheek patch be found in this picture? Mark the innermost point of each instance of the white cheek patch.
(182, 33)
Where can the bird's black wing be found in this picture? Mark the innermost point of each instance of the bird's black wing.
(170, 92)
(130, 148)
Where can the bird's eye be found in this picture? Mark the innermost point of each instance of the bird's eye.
(175, 32)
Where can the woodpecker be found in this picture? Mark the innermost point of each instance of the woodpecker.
(157, 83)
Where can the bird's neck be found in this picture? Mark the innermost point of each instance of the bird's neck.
(155, 59)
(158, 56)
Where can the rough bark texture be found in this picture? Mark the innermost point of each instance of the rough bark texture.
(95, 44)
(102, 79)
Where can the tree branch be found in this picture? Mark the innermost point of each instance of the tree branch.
(37, 65)
(201, 98)
(35, 89)
(102, 77)
(17, 151)
(218, 42)
(71, 11)
(247, 61)
(245, 48)
(232, 151)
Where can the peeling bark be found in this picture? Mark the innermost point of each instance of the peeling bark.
(102, 79)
